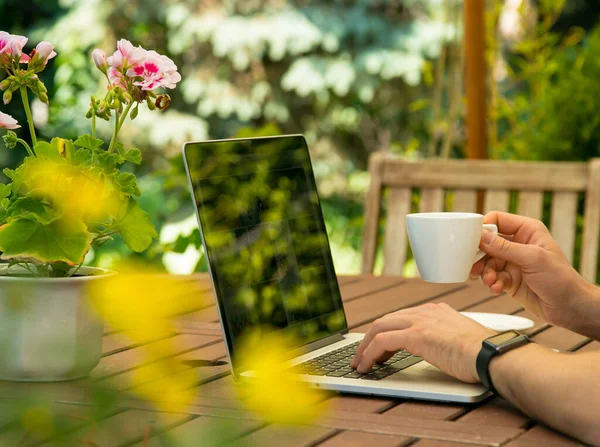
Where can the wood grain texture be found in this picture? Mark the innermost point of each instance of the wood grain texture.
(396, 240)
(486, 174)
(465, 201)
(530, 204)
(372, 212)
(431, 200)
(591, 226)
(562, 221)
(496, 201)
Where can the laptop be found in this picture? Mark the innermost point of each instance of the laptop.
(271, 267)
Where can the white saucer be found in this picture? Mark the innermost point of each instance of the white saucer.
(500, 322)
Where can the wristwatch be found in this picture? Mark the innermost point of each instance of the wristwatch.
(496, 345)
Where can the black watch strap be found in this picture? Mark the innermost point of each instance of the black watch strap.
(484, 358)
(493, 346)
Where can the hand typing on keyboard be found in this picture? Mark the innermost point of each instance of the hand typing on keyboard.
(435, 332)
(337, 364)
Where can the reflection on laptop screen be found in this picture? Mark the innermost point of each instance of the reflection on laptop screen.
(265, 238)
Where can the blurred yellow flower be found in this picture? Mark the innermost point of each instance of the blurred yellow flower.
(38, 421)
(274, 391)
(142, 304)
(78, 192)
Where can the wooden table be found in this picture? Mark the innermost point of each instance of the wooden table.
(352, 420)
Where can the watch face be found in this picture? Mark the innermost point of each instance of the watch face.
(502, 338)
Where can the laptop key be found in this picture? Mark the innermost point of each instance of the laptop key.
(336, 373)
(371, 377)
(353, 375)
(405, 363)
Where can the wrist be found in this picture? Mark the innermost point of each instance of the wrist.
(584, 315)
(503, 368)
(474, 348)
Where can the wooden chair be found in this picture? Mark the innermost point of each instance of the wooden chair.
(463, 180)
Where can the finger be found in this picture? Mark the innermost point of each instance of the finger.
(385, 357)
(489, 276)
(508, 223)
(478, 267)
(389, 323)
(516, 278)
(498, 247)
(383, 343)
(504, 283)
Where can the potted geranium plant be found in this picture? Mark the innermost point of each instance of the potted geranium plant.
(63, 199)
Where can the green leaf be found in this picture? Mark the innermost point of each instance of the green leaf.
(33, 208)
(89, 142)
(65, 240)
(82, 157)
(127, 184)
(51, 151)
(107, 161)
(5, 191)
(17, 177)
(131, 155)
(134, 156)
(136, 228)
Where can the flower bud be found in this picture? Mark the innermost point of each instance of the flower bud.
(150, 104)
(42, 96)
(5, 84)
(116, 104)
(10, 140)
(134, 113)
(43, 52)
(100, 60)
(162, 101)
(102, 107)
(7, 97)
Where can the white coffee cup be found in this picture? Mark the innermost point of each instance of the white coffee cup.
(446, 245)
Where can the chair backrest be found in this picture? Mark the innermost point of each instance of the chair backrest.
(454, 185)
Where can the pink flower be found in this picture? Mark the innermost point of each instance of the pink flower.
(116, 78)
(8, 122)
(126, 55)
(43, 52)
(11, 46)
(154, 71)
(100, 60)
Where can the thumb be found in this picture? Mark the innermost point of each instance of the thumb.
(498, 247)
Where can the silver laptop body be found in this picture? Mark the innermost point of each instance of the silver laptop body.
(270, 264)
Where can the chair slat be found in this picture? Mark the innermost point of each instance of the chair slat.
(396, 241)
(432, 200)
(563, 218)
(591, 225)
(531, 204)
(496, 201)
(372, 212)
(465, 201)
(487, 174)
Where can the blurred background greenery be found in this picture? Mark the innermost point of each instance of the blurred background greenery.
(353, 76)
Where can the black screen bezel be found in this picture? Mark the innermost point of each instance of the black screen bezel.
(189, 146)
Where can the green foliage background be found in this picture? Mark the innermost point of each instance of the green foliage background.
(353, 76)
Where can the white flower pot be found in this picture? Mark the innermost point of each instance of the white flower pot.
(48, 331)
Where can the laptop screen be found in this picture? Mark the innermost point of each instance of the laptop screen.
(265, 238)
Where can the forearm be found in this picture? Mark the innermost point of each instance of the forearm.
(559, 389)
(585, 315)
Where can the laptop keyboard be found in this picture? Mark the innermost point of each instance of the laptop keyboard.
(337, 364)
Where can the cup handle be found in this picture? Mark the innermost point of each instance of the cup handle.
(494, 229)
